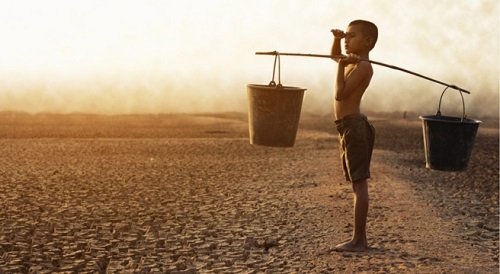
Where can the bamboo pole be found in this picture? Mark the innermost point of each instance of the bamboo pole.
(371, 61)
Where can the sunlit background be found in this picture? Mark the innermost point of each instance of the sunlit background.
(167, 56)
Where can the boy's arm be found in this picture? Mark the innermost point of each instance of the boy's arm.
(345, 86)
(336, 50)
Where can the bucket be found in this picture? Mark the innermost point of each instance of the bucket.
(448, 140)
(274, 113)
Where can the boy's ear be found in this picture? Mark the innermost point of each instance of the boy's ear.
(369, 41)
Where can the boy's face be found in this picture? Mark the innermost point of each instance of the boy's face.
(355, 42)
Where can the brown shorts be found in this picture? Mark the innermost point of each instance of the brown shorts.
(357, 137)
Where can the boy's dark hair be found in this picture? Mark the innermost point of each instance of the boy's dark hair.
(369, 29)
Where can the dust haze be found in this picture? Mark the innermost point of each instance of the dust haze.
(119, 57)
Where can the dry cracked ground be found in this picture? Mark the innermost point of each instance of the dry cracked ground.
(188, 194)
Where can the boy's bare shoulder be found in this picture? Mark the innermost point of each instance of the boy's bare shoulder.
(365, 64)
(366, 67)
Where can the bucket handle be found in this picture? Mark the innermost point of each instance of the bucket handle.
(463, 104)
(272, 83)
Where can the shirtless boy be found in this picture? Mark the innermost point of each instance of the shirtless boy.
(356, 133)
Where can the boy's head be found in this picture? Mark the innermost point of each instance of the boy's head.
(368, 30)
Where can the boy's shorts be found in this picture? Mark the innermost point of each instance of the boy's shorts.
(357, 137)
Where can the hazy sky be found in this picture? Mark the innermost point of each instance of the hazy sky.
(186, 56)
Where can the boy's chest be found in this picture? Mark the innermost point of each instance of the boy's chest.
(349, 69)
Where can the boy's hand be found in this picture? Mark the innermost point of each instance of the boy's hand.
(338, 34)
(349, 59)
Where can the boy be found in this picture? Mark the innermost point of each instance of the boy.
(356, 133)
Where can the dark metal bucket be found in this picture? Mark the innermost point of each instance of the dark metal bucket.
(448, 141)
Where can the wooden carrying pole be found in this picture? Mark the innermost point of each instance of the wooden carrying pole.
(371, 61)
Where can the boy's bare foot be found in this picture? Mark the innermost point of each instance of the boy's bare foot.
(350, 246)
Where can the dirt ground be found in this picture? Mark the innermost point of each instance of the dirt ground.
(187, 193)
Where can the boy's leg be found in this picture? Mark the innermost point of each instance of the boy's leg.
(361, 201)
(360, 211)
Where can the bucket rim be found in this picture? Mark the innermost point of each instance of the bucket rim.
(449, 119)
(264, 86)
